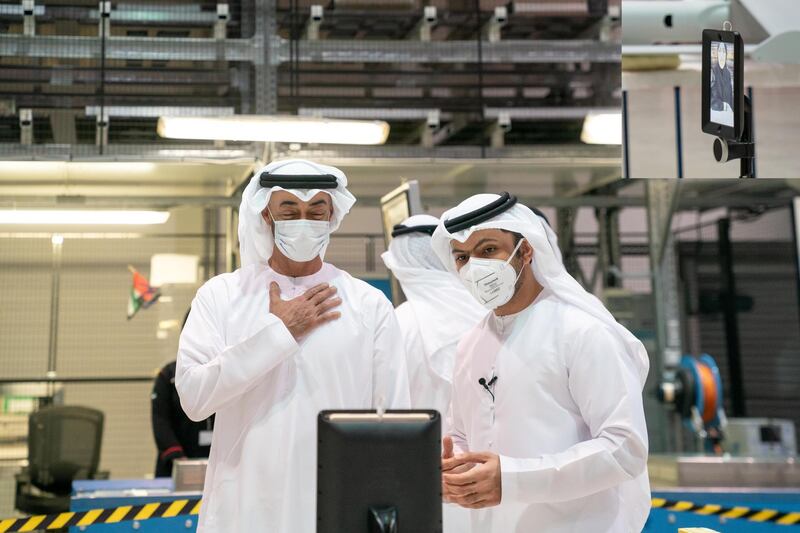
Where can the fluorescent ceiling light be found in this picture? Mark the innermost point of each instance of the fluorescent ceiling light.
(288, 129)
(110, 218)
(602, 128)
(56, 169)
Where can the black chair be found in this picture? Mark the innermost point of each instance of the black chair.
(63, 445)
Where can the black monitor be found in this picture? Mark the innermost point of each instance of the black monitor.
(379, 473)
(723, 84)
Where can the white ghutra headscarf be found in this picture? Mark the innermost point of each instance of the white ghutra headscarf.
(255, 236)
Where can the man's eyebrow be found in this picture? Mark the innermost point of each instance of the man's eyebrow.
(319, 202)
(484, 240)
(480, 242)
(288, 202)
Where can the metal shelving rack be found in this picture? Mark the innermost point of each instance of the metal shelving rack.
(540, 67)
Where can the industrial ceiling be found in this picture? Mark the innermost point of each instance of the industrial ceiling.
(475, 80)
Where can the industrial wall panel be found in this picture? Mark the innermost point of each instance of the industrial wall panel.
(25, 286)
(95, 337)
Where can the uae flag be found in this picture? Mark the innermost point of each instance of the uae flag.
(142, 294)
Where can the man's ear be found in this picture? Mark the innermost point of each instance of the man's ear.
(526, 252)
(266, 217)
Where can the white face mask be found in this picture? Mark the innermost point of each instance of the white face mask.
(301, 240)
(491, 281)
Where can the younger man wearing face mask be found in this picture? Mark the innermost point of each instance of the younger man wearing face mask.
(547, 429)
(270, 345)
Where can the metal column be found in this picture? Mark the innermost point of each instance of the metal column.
(662, 197)
(609, 254)
(730, 315)
(266, 43)
(55, 293)
(229, 219)
(565, 229)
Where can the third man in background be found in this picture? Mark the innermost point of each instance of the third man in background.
(438, 310)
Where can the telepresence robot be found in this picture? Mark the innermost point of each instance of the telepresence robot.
(726, 111)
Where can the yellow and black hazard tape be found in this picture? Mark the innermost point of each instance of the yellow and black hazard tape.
(710, 509)
(113, 515)
(186, 507)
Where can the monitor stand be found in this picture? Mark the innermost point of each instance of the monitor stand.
(744, 149)
(382, 520)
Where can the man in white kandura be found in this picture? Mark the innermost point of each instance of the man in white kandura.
(437, 312)
(435, 315)
(268, 346)
(548, 431)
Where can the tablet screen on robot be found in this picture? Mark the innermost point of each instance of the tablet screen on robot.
(723, 98)
(721, 86)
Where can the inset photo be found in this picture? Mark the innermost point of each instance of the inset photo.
(707, 88)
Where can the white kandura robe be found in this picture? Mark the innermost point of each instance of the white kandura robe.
(239, 361)
(567, 422)
(430, 390)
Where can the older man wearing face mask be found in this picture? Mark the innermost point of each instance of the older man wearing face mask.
(268, 346)
(547, 427)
